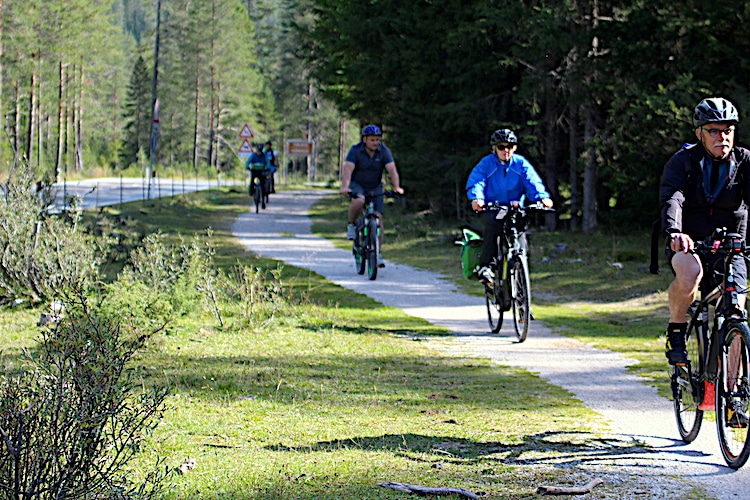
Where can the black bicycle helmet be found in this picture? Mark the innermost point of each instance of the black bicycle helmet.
(503, 135)
(371, 130)
(715, 109)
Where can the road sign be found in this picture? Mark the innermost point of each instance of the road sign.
(300, 147)
(245, 150)
(246, 132)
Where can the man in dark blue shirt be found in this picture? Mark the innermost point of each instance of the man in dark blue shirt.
(363, 173)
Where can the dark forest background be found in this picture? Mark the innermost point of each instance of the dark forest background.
(600, 93)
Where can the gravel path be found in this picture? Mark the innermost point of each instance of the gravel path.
(631, 410)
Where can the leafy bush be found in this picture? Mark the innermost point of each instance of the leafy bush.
(41, 254)
(76, 417)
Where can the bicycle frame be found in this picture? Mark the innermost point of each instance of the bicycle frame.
(512, 286)
(366, 245)
(719, 354)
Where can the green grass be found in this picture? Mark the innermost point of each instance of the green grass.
(576, 289)
(337, 393)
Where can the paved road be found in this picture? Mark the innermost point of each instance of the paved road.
(101, 192)
(633, 411)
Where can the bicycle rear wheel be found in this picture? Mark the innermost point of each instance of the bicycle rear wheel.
(520, 298)
(733, 395)
(373, 249)
(493, 299)
(687, 388)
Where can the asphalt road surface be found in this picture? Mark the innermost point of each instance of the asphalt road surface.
(631, 410)
(99, 192)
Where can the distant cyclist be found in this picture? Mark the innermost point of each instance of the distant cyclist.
(363, 173)
(257, 164)
(273, 162)
(501, 177)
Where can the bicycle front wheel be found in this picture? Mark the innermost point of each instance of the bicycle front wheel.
(257, 195)
(687, 388)
(358, 249)
(373, 249)
(493, 299)
(733, 395)
(520, 298)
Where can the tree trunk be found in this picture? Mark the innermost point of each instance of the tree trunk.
(213, 106)
(78, 120)
(2, 114)
(575, 198)
(32, 113)
(550, 154)
(61, 122)
(197, 109)
(589, 173)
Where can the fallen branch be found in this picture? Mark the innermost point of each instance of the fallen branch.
(576, 490)
(424, 490)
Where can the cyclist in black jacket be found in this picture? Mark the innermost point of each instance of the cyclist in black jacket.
(703, 186)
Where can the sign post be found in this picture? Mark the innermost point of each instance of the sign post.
(246, 148)
(303, 147)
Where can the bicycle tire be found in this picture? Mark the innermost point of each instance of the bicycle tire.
(520, 298)
(266, 190)
(494, 306)
(358, 249)
(687, 387)
(257, 195)
(373, 249)
(733, 394)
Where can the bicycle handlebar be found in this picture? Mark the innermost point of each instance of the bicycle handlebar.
(370, 195)
(722, 243)
(515, 207)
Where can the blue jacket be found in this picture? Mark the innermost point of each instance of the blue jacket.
(490, 180)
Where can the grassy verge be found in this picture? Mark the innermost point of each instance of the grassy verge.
(336, 393)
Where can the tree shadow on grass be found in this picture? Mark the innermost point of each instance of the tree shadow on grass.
(560, 449)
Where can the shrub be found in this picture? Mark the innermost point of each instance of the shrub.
(74, 419)
(41, 254)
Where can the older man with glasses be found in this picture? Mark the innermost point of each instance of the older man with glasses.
(704, 186)
(501, 177)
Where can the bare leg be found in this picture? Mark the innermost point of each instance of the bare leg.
(684, 288)
(355, 207)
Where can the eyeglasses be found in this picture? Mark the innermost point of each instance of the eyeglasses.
(505, 146)
(715, 132)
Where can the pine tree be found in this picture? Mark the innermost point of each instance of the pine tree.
(137, 114)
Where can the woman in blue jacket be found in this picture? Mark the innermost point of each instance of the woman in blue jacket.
(502, 177)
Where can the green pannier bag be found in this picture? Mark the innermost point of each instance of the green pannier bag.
(471, 251)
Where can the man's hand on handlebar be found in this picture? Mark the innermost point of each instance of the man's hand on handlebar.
(479, 205)
(681, 242)
(345, 190)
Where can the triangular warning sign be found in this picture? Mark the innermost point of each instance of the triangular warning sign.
(246, 147)
(246, 132)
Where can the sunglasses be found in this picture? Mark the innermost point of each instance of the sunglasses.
(505, 146)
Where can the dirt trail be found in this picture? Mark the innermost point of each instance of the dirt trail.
(643, 444)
